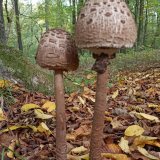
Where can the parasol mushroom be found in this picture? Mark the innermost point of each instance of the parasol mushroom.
(103, 27)
(57, 51)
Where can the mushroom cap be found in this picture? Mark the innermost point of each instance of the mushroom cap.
(57, 51)
(105, 25)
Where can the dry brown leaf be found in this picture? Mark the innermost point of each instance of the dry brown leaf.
(115, 123)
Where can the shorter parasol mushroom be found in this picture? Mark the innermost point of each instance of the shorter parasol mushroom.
(103, 27)
(57, 51)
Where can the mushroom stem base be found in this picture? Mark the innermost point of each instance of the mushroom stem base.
(61, 147)
(99, 110)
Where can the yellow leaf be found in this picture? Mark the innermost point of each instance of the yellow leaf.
(2, 116)
(115, 156)
(49, 106)
(33, 128)
(81, 100)
(11, 148)
(145, 153)
(151, 105)
(75, 109)
(79, 150)
(134, 130)
(4, 83)
(124, 145)
(149, 117)
(29, 106)
(39, 114)
(12, 128)
(143, 140)
(115, 94)
(146, 116)
(43, 128)
(83, 157)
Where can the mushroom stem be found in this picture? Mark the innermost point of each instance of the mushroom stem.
(99, 109)
(61, 146)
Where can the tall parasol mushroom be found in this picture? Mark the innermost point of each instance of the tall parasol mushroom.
(103, 27)
(57, 51)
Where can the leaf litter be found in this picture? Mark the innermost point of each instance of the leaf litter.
(132, 120)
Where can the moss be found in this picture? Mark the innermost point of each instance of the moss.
(33, 77)
(38, 79)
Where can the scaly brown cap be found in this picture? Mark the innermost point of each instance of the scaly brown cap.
(57, 51)
(105, 24)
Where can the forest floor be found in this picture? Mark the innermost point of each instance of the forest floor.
(132, 120)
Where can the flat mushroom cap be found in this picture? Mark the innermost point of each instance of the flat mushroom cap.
(57, 51)
(105, 24)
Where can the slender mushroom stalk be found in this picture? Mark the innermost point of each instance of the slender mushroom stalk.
(57, 51)
(103, 27)
(60, 118)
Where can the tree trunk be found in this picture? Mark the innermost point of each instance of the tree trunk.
(2, 25)
(79, 6)
(20, 45)
(157, 33)
(145, 25)
(46, 15)
(141, 19)
(73, 14)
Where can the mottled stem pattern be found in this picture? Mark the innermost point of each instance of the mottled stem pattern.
(99, 109)
(61, 146)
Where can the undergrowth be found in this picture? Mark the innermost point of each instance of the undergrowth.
(37, 79)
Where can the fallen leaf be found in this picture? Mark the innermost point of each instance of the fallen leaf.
(82, 130)
(113, 148)
(12, 128)
(115, 94)
(151, 105)
(79, 150)
(40, 114)
(134, 130)
(11, 149)
(124, 145)
(43, 128)
(145, 153)
(81, 100)
(115, 156)
(2, 116)
(115, 123)
(49, 106)
(27, 107)
(149, 117)
(141, 141)
(83, 157)
(75, 109)
(4, 83)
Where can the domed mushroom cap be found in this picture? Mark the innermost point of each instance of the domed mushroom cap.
(57, 51)
(105, 24)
